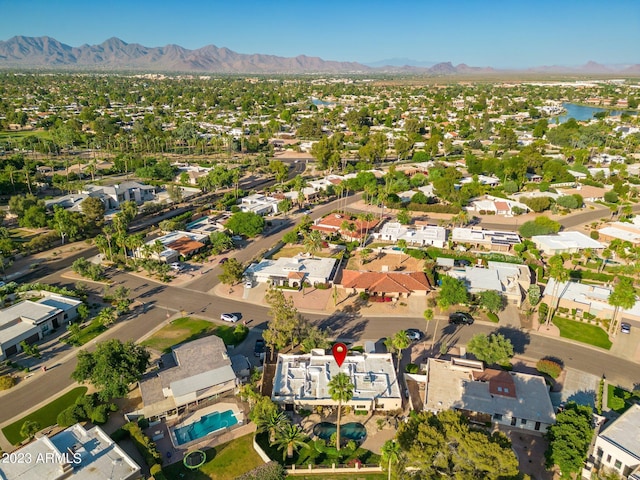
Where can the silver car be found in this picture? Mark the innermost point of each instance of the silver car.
(229, 317)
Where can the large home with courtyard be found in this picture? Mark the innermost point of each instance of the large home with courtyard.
(293, 272)
(488, 396)
(392, 285)
(350, 228)
(30, 321)
(493, 240)
(193, 374)
(76, 452)
(566, 242)
(419, 234)
(303, 380)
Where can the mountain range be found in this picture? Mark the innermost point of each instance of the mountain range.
(115, 54)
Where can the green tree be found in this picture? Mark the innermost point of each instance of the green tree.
(569, 439)
(271, 421)
(443, 446)
(397, 344)
(341, 391)
(246, 223)
(314, 337)
(492, 300)
(623, 296)
(112, 367)
(534, 294)
(559, 274)
(391, 453)
(94, 210)
(540, 226)
(291, 438)
(286, 324)
(232, 271)
(491, 349)
(312, 242)
(220, 242)
(30, 349)
(452, 292)
(404, 217)
(29, 429)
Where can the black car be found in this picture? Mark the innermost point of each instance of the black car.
(460, 318)
(259, 348)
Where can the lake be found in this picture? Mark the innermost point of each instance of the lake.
(582, 113)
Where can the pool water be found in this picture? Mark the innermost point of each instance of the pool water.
(351, 431)
(203, 427)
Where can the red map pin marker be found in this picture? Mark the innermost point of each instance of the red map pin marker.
(339, 351)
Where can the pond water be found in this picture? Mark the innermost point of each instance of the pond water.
(583, 113)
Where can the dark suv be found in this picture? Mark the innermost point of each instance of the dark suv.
(460, 318)
(259, 348)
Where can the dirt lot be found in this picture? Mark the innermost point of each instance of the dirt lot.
(396, 263)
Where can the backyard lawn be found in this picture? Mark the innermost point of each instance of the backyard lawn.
(618, 399)
(583, 332)
(185, 329)
(45, 416)
(224, 462)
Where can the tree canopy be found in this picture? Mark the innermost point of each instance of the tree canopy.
(112, 367)
(452, 292)
(246, 223)
(569, 438)
(491, 349)
(443, 446)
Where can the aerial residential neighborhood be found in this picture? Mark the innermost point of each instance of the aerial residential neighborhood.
(331, 271)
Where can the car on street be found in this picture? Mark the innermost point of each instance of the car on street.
(258, 349)
(223, 260)
(625, 328)
(414, 334)
(460, 318)
(229, 317)
(237, 238)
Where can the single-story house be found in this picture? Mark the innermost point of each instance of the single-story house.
(501, 241)
(30, 321)
(565, 242)
(385, 284)
(332, 223)
(617, 447)
(486, 395)
(192, 373)
(303, 380)
(482, 180)
(498, 206)
(509, 279)
(588, 192)
(423, 235)
(73, 453)
(592, 299)
(293, 271)
(174, 245)
(627, 232)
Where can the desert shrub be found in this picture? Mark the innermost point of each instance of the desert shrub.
(412, 368)
(268, 471)
(543, 310)
(100, 414)
(6, 382)
(549, 367)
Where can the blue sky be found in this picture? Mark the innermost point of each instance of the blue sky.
(498, 33)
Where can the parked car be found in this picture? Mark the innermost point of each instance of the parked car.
(625, 328)
(176, 266)
(259, 347)
(229, 317)
(460, 318)
(248, 284)
(414, 334)
(237, 238)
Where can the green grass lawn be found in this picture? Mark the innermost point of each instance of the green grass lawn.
(185, 329)
(45, 416)
(224, 462)
(91, 331)
(618, 399)
(583, 332)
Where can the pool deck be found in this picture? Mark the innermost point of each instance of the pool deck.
(172, 453)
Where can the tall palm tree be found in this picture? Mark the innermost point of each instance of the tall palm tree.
(623, 296)
(291, 438)
(313, 242)
(559, 275)
(391, 452)
(400, 341)
(273, 422)
(428, 316)
(341, 391)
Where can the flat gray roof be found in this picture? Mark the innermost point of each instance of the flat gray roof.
(625, 431)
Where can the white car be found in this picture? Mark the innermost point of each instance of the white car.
(176, 266)
(229, 317)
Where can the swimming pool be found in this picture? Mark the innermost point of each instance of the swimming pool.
(351, 431)
(203, 427)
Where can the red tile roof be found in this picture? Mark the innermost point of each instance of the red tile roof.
(502, 206)
(185, 246)
(385, 282)
(500, 382)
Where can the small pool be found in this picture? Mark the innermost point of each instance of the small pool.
(351, 431)
(203, 427)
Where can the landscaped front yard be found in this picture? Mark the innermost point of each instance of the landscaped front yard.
(224, 462)
(618, 399)
(289, 251)
(186, 328)
(45, 416)
(582, 332)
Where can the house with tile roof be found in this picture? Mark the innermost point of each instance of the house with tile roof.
(333, 223)
(385, 284)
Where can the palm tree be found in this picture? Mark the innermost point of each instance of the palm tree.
(291, 438)
(428, 316)
(623, 295)
(400, 341)
(559, 275)
(391, 452)
(341, 391)
(312, 242)
(273, 422)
